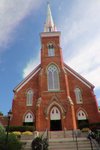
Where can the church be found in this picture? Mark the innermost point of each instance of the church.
(54, 96)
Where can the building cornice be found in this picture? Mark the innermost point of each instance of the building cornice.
(50, 34)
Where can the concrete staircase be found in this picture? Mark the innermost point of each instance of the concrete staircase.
(27, 140)
(59, 140)
(69, 144)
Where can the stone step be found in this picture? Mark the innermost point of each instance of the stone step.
(69, 144)
(72, 149)
(62, 143)
(65, 134)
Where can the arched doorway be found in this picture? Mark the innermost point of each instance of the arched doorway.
(82, 119)
(55, 119)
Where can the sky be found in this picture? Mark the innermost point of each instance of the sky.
(21, 23)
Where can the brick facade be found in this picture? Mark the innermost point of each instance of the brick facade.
(64, 99)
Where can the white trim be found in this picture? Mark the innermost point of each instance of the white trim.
(29, 117)
(78, 95)
(29, 98)
(51, 50)
(55, 103)
(29, 77)
(78, 77)
(50, 34)
(53, 79)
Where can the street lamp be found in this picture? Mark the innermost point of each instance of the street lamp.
(8, 124)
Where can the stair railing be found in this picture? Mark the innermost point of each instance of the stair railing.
(75, 135)
(94, 142)
(91, 143)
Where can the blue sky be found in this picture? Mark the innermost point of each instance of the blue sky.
(20, 25)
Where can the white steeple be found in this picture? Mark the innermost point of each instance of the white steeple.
(49, 25)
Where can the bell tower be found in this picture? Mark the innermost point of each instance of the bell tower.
(53, 83)
(50, 42)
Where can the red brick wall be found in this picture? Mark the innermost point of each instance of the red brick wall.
(68, 83)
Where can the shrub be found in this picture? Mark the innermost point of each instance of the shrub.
(85, 130)
(13, 142)
(1, 129)
(17, 133)
(21, 128)
(40, 143)
(27, 133)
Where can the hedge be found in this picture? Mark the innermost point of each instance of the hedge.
(21, 128)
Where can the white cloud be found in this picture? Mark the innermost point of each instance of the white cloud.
(81, 30)
(30, 66)
(99, 99)
(11, 14)
(87, 62)
(81, 27)
(83, 19)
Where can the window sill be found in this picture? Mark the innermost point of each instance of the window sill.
(79, 102)
(28, 105)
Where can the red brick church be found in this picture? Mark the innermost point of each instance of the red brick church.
(53, 96)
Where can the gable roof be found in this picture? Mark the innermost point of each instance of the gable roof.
(66, 67)
(78, 76)
(28, 78)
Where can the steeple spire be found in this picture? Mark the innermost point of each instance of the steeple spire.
(49, 25)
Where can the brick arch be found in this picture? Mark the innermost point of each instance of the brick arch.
(29, 89)
(51, 42)
(54, 102)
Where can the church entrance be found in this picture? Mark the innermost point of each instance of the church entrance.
(55, 119)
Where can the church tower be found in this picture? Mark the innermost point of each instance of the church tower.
(53, 96)
(54, 92)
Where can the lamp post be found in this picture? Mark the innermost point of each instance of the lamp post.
(8, 124)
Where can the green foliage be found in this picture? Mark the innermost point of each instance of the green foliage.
(40, 143)
(13, 142)
(1, 113)
(21, 128)
(2, 129)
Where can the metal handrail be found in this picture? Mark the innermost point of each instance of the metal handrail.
(74, 135)
(93, 141)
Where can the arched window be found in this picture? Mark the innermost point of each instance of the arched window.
(51, 51)
(55, 114)
(81, 115)
(53, 77)
(29, 117)
(29, 100)
(78, 95)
